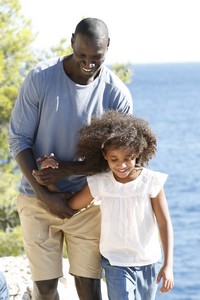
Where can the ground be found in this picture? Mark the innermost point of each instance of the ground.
(18, 276)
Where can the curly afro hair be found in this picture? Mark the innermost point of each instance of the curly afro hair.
(114, 129)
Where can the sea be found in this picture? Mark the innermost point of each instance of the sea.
(168, 97)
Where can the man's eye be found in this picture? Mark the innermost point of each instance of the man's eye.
(78, 54)
(99, 57)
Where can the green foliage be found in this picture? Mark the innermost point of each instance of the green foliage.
(15, 51)
(123, 72)
(16, 38)
(65, 255)
(15, 56)
(61, 49)
(11, 243)
(8, 191)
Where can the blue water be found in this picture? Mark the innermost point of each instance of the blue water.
(168, 96)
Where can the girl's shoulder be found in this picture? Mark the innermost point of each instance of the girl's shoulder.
(100, 175)
(154, 181)
(153, 173)
(102, 179)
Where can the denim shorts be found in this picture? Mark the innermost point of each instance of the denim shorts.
(3, 287)
(131, 283)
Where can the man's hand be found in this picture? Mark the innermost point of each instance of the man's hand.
(56, 203)
(46, 176)
(64, 168)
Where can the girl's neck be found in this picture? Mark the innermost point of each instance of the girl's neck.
(131, 177)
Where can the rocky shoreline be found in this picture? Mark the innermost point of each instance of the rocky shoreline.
(18, 277)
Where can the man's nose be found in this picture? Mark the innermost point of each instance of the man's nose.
(89, 63)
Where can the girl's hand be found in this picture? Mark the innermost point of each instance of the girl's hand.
(166, 274)
(48, 161)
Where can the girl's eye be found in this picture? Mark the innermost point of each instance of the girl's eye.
(128, 159)
(131, 157)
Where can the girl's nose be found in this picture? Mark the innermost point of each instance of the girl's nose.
(123, 164)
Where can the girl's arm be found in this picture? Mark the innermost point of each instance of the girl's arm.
(161, 211)
(80, 199)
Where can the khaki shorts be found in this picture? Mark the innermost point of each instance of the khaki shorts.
(44, 233)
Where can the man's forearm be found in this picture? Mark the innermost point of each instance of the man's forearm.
(26, 162)
(68, 168)
(65, 168)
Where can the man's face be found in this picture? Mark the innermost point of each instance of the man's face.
(89, 54)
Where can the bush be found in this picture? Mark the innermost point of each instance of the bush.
(11, 242)
(8, 217)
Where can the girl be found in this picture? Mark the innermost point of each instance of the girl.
(135, 215)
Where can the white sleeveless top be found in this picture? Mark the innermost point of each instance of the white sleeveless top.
(129, 232)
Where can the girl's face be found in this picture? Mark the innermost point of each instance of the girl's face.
(122, 164)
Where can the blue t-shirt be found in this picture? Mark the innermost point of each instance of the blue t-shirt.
(51, 108)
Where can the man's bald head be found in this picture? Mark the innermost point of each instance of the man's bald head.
(93, 28)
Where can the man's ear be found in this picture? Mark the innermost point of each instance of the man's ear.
(108, 42)
(72, 39)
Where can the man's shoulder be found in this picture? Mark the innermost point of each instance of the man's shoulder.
(45, 69)
(111, 78)
(48, 64)
(109, 74)
(115, 83)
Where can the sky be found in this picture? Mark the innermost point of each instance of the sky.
(141, 31)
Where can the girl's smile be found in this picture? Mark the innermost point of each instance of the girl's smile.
(122, 164)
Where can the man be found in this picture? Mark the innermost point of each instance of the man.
(55, 100)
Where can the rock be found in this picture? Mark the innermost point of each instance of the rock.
(18, 277)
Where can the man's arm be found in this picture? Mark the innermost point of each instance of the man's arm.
(55, 202)
(65, 168)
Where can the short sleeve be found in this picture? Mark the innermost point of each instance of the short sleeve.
(157, 182)
(94, 183)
